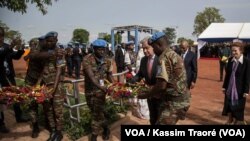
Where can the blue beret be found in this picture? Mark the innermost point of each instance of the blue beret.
(76, 43)
(51, 34)
(130, 42)
(99, 43)
(156, 36)
(118, 45)
(41, 38)
(61, 46)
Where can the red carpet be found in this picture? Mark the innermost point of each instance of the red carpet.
(207, 58)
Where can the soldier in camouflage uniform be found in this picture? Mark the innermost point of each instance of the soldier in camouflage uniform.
(97, 68)
(33, 73)
(171, 85)
(51, 75)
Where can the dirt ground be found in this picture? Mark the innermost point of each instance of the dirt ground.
(206, 106)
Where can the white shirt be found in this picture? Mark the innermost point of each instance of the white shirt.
(127, 59)
(138, 59)
(238, 60)
(184, 55)
(123, 51)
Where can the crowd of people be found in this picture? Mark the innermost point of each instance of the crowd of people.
(169, 74)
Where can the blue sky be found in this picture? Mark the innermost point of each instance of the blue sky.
(101, 15)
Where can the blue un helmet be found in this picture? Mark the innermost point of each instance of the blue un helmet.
(76, 44)
(156, 36)
(99, 43)
(70, 45)
(51, 34)
(41, 38)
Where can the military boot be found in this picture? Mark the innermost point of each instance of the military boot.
(52, 135)
(4, 129)
(58, 136)
(106, 134)
(35, 130)
(93, 137)
(55, 136)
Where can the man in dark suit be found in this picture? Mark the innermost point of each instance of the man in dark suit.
(119, 59)
(10, 72)
(148, 70)
(77, 59)
(3, 78)
(16, 55)
(190, 62)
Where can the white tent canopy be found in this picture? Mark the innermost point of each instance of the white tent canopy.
(222, 32)
(245, 32)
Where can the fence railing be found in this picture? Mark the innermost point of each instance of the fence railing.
(75, 94)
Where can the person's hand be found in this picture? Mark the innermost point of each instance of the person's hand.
(59, 52)
(157, 96)
(192, 85)
(52, 92)
(245, 94)
(129, 68)
(104, 89)
(16, 43)
(25, 58)
(101, 95)
(142, 96)
(223, 91)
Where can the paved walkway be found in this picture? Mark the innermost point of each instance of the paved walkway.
(206, 107)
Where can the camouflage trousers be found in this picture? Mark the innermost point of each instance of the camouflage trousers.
(173, 108)
(53, 111)
(33, 110)
(98, 113)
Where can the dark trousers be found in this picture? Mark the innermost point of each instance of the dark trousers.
(1, 119)
(18, 111)
(69, 66)
(16, 106)
(77, 64)
(98, 113)
(153, 106)
(223, 66)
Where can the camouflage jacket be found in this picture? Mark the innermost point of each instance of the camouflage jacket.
(171, 69)
(100, 68)
(34, 70)
(50, 69)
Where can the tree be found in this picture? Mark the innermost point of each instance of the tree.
(10, 34)
(21, 5)
(205, 18)
(107, 38)
(80, 35)
(118, 38)
(190, 41)
(171, 34)
(180, 39)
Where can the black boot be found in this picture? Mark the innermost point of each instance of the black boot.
(93, 137)
(35, 130)
(58, 136)
(106, 134)
(55, 136)
(52, 134)
(4, 129)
